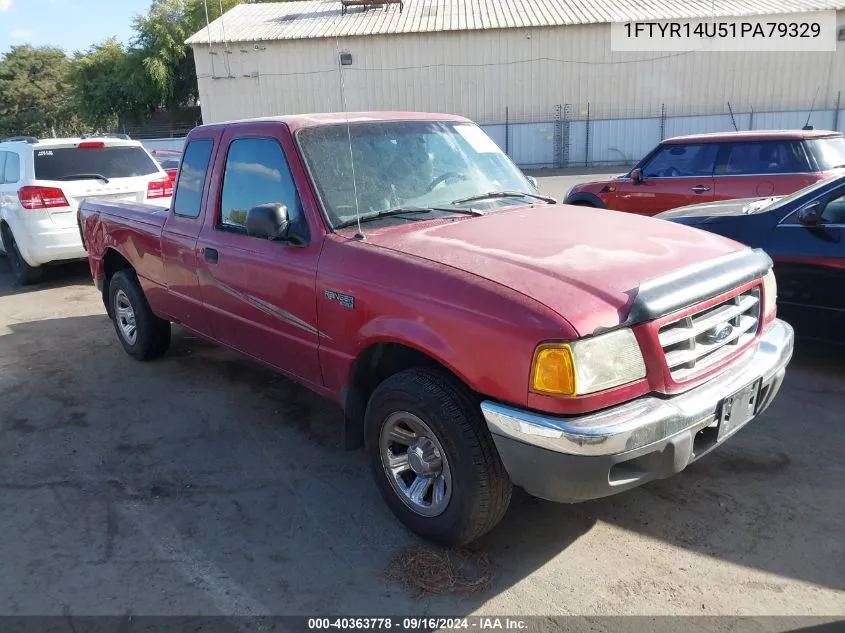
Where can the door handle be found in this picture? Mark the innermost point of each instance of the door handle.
(210, 255)
(700, 189)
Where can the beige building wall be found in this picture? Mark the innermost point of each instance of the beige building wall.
(529, 71)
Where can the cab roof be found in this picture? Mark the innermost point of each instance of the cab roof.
(299, 121)
(758, 135)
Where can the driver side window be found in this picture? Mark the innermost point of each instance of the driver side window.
(256, 173)
(834, 211)
(679, 160)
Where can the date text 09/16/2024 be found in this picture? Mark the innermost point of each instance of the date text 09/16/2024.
(418, 623)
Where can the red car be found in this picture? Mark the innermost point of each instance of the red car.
(419, 286)
(169, 160)
(707, 167)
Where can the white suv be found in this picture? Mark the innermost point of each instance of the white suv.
(43, 181)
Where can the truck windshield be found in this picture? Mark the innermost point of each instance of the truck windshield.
(413, 164)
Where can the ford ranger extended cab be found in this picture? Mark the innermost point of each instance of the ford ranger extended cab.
(476, 334)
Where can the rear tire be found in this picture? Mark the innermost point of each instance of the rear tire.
(143, 335)
(24, 273)
(442, 438)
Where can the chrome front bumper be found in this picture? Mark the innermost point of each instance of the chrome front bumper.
(655, 436)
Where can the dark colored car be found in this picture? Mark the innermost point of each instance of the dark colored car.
(802, 233)
(169, 161)
(709, 167)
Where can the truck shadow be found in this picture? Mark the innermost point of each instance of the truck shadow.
(206, 461)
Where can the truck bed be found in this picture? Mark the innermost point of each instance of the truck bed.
(129, 228)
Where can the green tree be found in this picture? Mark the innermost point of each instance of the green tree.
(109, 82)
(35, 93)
(42, 90)
(160, 44)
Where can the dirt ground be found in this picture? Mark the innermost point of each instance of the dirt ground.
(204, 484)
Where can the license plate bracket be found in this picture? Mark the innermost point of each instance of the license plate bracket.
(737, 409)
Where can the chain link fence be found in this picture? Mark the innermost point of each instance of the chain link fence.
(587, 135)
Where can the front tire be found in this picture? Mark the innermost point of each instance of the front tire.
(433, 458)
(143, 335)
(24, 273)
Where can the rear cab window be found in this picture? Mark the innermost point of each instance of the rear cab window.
(109, 161)
(191, 182)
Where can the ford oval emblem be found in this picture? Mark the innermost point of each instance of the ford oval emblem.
(717, 334)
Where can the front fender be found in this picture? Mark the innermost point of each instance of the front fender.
(414, 334)
(382, 330)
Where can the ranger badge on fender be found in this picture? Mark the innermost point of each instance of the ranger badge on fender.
(347, 301)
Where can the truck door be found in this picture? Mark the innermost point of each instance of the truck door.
(260, 293)
(179, 238)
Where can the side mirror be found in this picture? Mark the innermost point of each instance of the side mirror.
(269, 221)
(636, 175)
(534, 182)
(811, 214)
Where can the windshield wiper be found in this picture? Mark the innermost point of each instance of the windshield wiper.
(842, 166)
(382, 214)
(402, 211)
(85, 177)
(505, 194)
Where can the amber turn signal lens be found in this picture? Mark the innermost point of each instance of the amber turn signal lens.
(554, 371)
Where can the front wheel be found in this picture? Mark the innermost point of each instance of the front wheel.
(143, 335)
(433, 457)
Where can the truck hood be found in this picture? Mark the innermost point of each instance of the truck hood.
(703, 212)
(585, 264)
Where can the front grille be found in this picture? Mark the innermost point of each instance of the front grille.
(697, 341)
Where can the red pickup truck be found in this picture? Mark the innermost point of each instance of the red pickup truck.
(476, 334)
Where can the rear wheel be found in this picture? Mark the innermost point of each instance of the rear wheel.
(24, 273)
(433, 457)
(143, 335)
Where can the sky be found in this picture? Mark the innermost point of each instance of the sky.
(69, 24)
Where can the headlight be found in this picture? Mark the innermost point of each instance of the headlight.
(566, 195)
(587, 366)
(770, 290)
